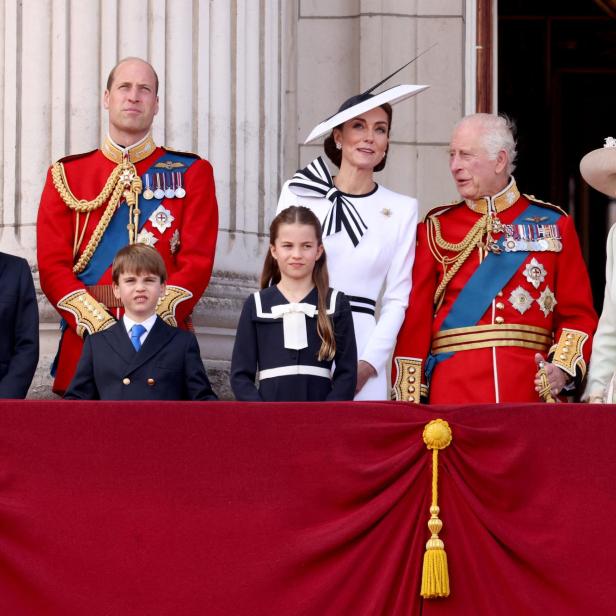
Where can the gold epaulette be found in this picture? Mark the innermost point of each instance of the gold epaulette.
(546, 204)
(439, 209)
(91, 315)
(567, 352)
(408, 385)
(167, 304)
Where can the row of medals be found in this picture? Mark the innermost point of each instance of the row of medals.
(524, 243)
(160, 185)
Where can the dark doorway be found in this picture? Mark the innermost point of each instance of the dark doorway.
(557, 80)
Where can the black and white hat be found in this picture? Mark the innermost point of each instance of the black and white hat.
(360, 103)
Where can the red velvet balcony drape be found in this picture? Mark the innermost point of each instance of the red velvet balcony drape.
(233, 509)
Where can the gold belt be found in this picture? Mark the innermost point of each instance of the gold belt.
(493, 335)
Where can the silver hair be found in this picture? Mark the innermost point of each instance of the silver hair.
(497, 134)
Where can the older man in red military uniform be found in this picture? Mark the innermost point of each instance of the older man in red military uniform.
(501, 307)
(127, 191)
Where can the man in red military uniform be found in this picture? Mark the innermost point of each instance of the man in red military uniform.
(127, 191)
(501, 307)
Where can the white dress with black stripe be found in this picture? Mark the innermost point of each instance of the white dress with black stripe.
(382, 260)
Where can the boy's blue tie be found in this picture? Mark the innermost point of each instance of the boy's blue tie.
(135, 335)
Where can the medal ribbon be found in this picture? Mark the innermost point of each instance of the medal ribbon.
(495, 271)
(115, 236)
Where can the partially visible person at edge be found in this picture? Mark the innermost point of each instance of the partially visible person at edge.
(369, 231)
(501, 308)
(598, 168)
(19, 321)
(295, 335)
(129, 190)
(140, 357)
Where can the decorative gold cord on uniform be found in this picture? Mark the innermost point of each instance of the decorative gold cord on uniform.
(435, 576)
(124, 182)
(451, 265)
(545, 391)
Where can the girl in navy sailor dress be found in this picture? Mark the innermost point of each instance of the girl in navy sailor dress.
(295, 336)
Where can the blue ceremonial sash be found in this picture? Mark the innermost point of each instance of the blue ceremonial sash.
(115, 236)
(495, 271)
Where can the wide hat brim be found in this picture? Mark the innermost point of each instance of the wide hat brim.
(598, 168)
(392, 96)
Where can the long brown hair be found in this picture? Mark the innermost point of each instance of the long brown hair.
(297, 214)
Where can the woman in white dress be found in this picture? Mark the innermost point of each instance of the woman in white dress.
(369, 231)
(599, 169)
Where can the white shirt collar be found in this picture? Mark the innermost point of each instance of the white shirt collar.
(148, 324)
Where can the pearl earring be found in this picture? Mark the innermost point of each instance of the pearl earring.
(338, 146)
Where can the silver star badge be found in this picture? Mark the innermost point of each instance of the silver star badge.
(521, 300)
(146, 237)
(547, 301)
(535, 272)
(161, 218)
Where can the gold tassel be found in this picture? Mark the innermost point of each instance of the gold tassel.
(545, 392)
(435, 576)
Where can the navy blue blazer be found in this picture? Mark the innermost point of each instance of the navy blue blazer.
(167, 367)
(19, 321)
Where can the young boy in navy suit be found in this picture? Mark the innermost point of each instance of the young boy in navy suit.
(140, 357)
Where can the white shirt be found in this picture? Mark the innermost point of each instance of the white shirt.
(148, 324)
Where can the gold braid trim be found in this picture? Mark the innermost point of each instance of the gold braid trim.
(123, 182)
(98, 232)
(81, 205)
(451, 265)
(408, 380)
(91, 316)
(166, 304)
(567, 353)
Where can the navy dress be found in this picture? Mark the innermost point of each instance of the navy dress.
(289, 374)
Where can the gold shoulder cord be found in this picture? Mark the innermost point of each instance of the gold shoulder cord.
(123, 182)
(451, 265)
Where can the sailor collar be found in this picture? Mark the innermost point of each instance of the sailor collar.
(135, 153)
(498, 202)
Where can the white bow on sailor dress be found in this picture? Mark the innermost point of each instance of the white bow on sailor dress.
(294, 323)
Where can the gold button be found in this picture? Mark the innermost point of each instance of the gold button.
(499, 320)
(500, 305)
(151, 382)
(563, 356)
(126, 381)
(412, 370)
(411, 379)
(411, 389)
(500, 294)
(569, 336)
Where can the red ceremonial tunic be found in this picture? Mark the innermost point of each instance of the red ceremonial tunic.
(187, 245)
(547, 304)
